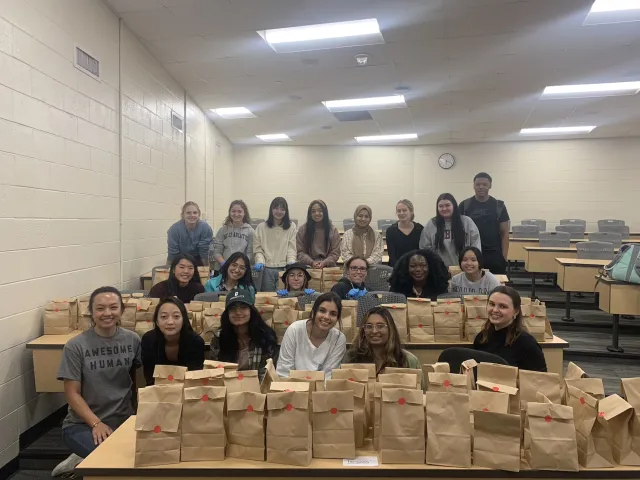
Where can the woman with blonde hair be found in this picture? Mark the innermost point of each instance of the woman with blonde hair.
(404, 235)
(362, 240)
(235, 235)
(190, 236)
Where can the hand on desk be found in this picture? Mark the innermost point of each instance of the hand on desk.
(100, 433)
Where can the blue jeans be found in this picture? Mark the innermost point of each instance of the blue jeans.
(270, 279)
(79, 438)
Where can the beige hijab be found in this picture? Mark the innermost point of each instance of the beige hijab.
(364, 238)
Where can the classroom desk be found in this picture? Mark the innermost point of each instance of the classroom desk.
(543, 260)
(618, 298)
(516, 247)
(576, 275)
(145, 282)
(47, 353)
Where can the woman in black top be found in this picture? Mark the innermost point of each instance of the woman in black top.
(404, 235)
(184, 280)
(504, 335)
(172, 341)
(420, 274)
(351, 286)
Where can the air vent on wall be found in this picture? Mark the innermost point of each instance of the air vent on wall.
(87, 63)
(176, 121)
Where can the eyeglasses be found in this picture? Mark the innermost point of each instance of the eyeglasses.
(378, 327)
(242, 268)
(296, 275)
(358, 269)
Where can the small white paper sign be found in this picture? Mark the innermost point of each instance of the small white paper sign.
(360, 462)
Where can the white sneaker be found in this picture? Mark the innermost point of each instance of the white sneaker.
(67, 466)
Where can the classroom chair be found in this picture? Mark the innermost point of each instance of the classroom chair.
(541, 224)
(255, 222)
(607, 237)
(208, 296)
(373, 299)
(576, 231)
(305, 299)
(348, 224)
(454, 356)
(595, 250)
(555, 239)
(620, 229)
(385, 223)
(574, 221)
(378, 278)
(607, 222)
(525, 231)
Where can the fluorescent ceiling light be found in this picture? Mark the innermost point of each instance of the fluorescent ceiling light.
(373, 103)
(233, 112)
(324, 35)
(600, 6)
(387, 138)
(592, 90)
(274, 137)
(558, 130)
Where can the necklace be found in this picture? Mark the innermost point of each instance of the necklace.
(418, 293)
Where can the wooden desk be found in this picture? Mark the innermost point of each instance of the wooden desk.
(385, 260)
(576, 275)
(618, 298)
(47, 353)
(517, 245)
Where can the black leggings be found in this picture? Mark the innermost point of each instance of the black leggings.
(495, 262)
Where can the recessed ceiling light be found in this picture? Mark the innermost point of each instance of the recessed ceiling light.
(558, 130)
(592, 90)
(325, 35)
(274, 137)
(373, 103)
(613, 11)
(600, 6)
(387, 138)
(233, 112)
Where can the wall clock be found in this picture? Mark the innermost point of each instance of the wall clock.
(446, 161)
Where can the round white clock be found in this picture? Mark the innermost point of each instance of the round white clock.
(446, 161)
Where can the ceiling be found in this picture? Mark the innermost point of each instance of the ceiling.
(474, 69)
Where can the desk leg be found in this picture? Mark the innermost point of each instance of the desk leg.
(567, 309)
(615, 335)
(533, 286)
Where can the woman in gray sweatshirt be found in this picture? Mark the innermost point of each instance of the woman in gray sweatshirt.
(235, 235)
(449, 232)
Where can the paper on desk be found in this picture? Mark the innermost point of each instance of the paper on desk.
(360, 462)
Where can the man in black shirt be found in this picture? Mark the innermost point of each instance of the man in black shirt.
(492, 219)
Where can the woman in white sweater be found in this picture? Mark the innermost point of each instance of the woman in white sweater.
(274, 244)
(314, 344)
(362, 240)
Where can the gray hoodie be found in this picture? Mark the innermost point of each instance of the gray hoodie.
(449, 255)
(230, 239)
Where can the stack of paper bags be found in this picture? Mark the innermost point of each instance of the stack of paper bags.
(534, 318)
(420, 320)
(211, 320)
(84, 315)
(195, 310)
(350, 319)
(475, 315)
(330, 276)
(204, 273)
(284, 315)
(60, 316)
(203, 424)
(144, 316)
(316, 279)
(448, 320)
(399, 313)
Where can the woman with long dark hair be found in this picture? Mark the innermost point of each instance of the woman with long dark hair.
(473, 279)
(318, 241)
(235, 235)
(314, 344)
(172, 340)
(235, 273)
(420, 274)
(505, 335)
(244, 337)
(183, 282)
(274, 244)
(449, 232)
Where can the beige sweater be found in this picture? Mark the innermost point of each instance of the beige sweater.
(275, 247)
(372, 257)
(318, 251)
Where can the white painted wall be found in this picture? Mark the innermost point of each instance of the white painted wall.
(61, 202)
(589, 179)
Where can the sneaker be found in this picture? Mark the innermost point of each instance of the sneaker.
(67, 466)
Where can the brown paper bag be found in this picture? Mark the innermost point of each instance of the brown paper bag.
(359, 375)
(415, 371)
(359, 393)
(161, 275)
(592, 386)
(145, 311)
(402, 426)
(270, 376)
(496, 439)
(448, 321)
(129, 314)
(266, 298)
(245, 425)
(440, 367)
(228, 367)
(574, 371)
(420, 320)
(203, 429)
(448, 429)
(211, 321)
(169, 374)
(544, 382)
(495, 376)
(449, 382)
(158, 425)
(350, 319)
(387, 380)
(485, 401)
(617, 415)
(594, 450)
(399, 313)
(203, 378)
(266, 312)
(288, 433)
(242, 381)
(59, 318)
(534, 318)
(282, 318)
(333, 425)
(514, 397)
(330, 276)
(371, 370)
(314, 378)
(550, 437)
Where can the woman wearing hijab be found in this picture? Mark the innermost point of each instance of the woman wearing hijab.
(362, 240)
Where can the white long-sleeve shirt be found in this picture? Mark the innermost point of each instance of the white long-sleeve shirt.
(298, 353)
(275, 247)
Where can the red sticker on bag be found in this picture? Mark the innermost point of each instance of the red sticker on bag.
(475, 299)
(485, 409)
(57, 310)
(393, 306)
(531, 316)
(267, 302)
(582, 400)
(288, 390)
(446, 383)
(352, 379)
(219, 366)
(157, 429)
(334, 410)
(250, 408)
(601, 414)
(240, 376)
(402, 401)
(205, 398)
(419, 325)
(215, 315)
(139, 308)
(170, 378)
(548, 419)
(496, 389)
(421, 299)
(205, 381)
(446, 313)
(448, 302)
(289, 407)
(308, 377)
(286, 322)
(478, 317)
